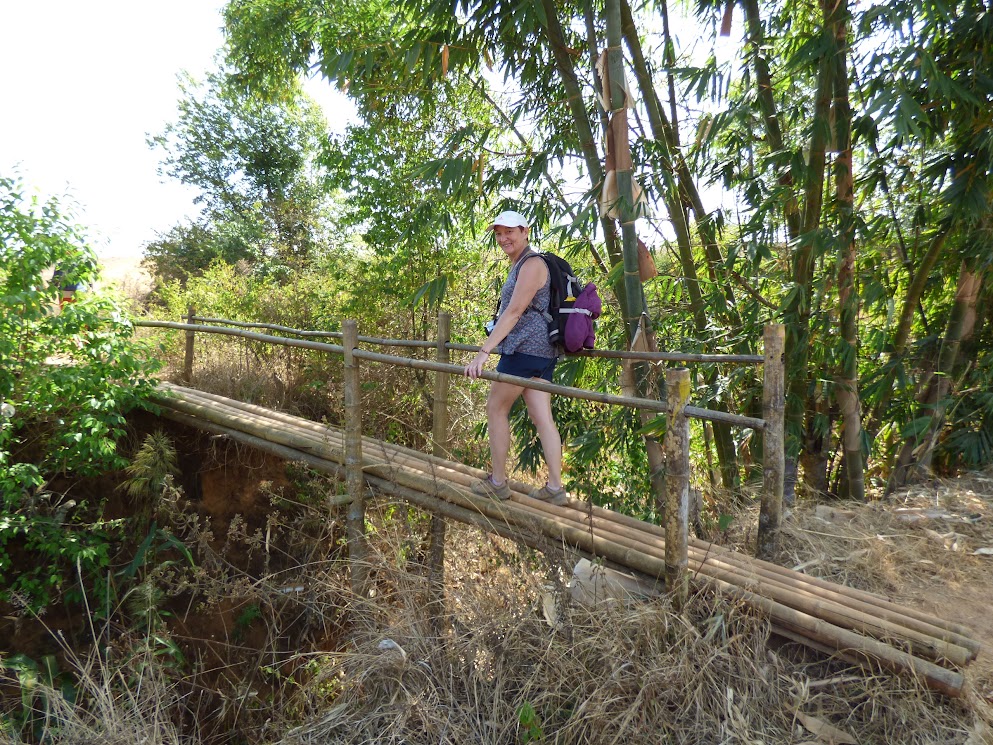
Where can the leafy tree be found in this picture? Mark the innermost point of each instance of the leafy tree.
(853, 138)
(186, 249)
(255, 164)
(66, 381)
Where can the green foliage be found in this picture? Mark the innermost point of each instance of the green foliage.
(255, 166)
(151, 466)
(36, 718)
(66, 381)
(527, 717)
(441, 142)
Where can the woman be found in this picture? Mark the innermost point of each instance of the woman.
(520, 336)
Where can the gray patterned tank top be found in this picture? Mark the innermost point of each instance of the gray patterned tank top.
(530, 335)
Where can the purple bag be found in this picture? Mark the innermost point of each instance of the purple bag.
(580, 332)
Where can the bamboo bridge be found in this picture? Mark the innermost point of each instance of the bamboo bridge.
(854, 625)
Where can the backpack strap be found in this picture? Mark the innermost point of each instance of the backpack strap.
(548, 266)
(520, 263)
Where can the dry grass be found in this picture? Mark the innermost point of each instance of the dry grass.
(123, 701)
(610, 674)
(501, 673)
(926, 533)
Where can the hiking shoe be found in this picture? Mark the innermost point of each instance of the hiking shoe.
(486, 488)
(552, 496)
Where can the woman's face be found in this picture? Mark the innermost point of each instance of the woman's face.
(511, 240)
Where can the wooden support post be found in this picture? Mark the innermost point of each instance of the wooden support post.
(439, 436)
(773, 441)
(355, 522)
(188, 359)
(677, 484)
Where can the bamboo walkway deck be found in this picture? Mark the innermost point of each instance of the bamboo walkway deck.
(855, 625)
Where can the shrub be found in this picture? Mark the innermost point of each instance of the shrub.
(66, 380)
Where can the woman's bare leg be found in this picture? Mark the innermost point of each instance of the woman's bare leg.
(498, 405)
(539, 405)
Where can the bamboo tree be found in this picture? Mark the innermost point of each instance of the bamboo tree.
(917, 450)
(675, 200)
(803, 231)
(636, 312)
(767, 103)
(688, 195)
(902, 333)
(801, 395)
(584, 130)
(846, 383)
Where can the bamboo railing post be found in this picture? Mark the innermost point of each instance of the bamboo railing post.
(773, 441)
(355, 522)
(677, 485)
(188, 358)
(439, 437)
(439, 434)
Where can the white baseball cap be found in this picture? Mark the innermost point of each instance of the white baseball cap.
(509, 219)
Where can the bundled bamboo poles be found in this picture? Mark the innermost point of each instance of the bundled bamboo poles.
(832, 618)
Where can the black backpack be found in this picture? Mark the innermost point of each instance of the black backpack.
(563, 290)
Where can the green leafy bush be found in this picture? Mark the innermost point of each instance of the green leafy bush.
(66, 380)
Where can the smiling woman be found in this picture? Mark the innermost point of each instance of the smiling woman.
(520, 336)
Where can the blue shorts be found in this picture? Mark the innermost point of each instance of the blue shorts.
(527, 366)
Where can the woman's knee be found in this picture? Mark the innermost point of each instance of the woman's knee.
(501, 399)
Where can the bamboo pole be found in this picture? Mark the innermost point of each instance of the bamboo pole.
(541, 385)
(625, 354)
(699, 551)
(439, 439)
(439, 431)
(357, 550)
(416, 343)
(784, 616)
(677, 484)
(773, 442)
(188, 356)
(619, 354)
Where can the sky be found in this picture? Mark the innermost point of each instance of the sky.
(84, 84)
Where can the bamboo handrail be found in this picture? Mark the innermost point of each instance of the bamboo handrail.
(749, 359)
(561, 390)
(420, 343)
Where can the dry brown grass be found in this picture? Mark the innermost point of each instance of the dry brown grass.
(918, 548)
(124, 702)
(610, 674)
(501, 673)
(616, 673)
